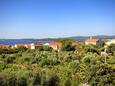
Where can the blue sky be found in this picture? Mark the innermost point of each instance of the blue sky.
(56, 18)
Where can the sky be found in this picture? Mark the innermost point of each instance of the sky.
(56, 18)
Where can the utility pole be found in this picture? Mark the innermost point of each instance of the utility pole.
(105, 59)
(105, 55)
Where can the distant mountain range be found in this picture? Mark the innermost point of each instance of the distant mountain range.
(72, 37)
(82, 38)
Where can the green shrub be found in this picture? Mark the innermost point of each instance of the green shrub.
(111, 60)
(100, 75)
(7, 79)
(22, 81)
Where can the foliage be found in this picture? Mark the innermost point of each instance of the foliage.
(65, 41)
(7, 79)
(100, 75)
(45, 48)
(71, 66)
(111, 60)
(8, 51)
(67, 47)
(111, 48)
(22, 81)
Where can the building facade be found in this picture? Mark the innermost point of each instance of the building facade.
(93, 41)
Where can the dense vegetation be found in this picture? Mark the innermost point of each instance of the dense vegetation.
(70, 66)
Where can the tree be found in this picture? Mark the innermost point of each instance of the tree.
(47, 48)
(9, 59)
(67, 47)
(111, 48)
(65, 41)
(91, 48)
(100, 75)
(21, 49)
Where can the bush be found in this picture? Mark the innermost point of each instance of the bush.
(111, 48)
(67, 82)
(9, 59)
(91, 48)
(47, 48)
(86, 60)
(7, 79)
(111, 60)
(22, 81)
(21, 49)
(67, 47)
(50, 68)
(100, 75)
(74, 66)
(53, 80)
(37, 79)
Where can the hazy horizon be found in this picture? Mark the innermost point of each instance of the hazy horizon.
(54, 19)
(60, 37)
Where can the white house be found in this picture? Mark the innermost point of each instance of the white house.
(110, 42)
(29, 46)
(54, 45)
(34, 46)
(93, 41)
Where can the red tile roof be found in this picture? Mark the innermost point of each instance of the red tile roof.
(55, 44)
(37, 45)
(20, 45)
(76, 43)
(5, 46)
(91, 40)
(28, 45)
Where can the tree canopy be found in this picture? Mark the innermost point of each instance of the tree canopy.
(71, 66)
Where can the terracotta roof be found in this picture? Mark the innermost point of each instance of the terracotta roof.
(28, 45)
(76, 43)
(38, 44)
(55, 44)
(20, 45)
(91, 40)
(4, 46)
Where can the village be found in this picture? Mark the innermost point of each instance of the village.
(57, 45)
(57, 42)
(78, 64)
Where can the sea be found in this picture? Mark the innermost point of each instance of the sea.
(22, 41)
(38, 41)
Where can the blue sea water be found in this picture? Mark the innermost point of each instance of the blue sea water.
(29, 41)
(21, 41)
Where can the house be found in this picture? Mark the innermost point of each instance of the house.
(93, 41)
(54, 45)
(76, 43)
(5, 46)
(57, 45)
(18, 45)
(34, 46)
(28, 46)
(110, 42)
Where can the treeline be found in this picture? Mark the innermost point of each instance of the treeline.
(71, 66)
